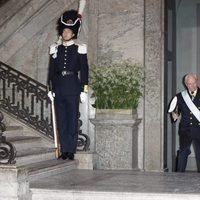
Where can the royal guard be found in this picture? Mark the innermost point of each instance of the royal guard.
(68, 79)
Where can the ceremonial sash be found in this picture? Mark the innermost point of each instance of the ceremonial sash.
(190, 104)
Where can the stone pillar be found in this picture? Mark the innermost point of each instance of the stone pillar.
(154, 85)
(14, 183)
(93, 28)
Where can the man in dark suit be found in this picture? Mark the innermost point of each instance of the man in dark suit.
(67, 61)
(187, 103)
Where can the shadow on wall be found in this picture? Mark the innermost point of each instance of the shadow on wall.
(2, 2)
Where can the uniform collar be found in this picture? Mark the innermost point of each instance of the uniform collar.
(68, 43)
(193, 93)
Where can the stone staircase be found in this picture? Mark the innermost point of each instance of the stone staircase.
(36, 154)
(30, 148)
(35, 160)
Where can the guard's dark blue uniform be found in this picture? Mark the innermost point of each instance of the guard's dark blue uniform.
(67, 86)
(189, 132)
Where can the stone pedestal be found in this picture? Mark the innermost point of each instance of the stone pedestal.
(86, 160)
(14, 183)
(116, 141)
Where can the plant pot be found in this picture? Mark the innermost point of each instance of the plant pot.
(116, 114)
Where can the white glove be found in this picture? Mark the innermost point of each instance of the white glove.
(83, 97)
(51, 95)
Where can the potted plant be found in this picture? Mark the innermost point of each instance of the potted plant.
(117, 86)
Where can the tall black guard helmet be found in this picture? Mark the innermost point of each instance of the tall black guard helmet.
(71, 20)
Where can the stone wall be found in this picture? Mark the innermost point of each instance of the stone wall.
(31, 32)
(114, 30)
(117, 30)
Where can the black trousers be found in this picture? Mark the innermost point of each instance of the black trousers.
(67, 108)
(186, 139)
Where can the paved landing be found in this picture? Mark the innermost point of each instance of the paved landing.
(123, 185)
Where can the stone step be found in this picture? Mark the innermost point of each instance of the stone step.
(13, 131)
(33, 155)
(13, 128)
(49, 168)
(35, 150)
(22, 139)
(19, 132)
(116, 185)
(41, 194)
(24, 142)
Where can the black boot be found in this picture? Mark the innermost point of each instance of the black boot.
(64, 156)
(71, 156)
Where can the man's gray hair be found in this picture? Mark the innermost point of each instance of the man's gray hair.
(190, 75)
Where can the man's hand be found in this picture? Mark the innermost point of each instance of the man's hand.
(83, 97)
(175, 116)
(51, 95)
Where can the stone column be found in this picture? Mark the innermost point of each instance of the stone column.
(93, 28)
(154, 85)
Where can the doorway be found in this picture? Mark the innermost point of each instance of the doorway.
(182, 50)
